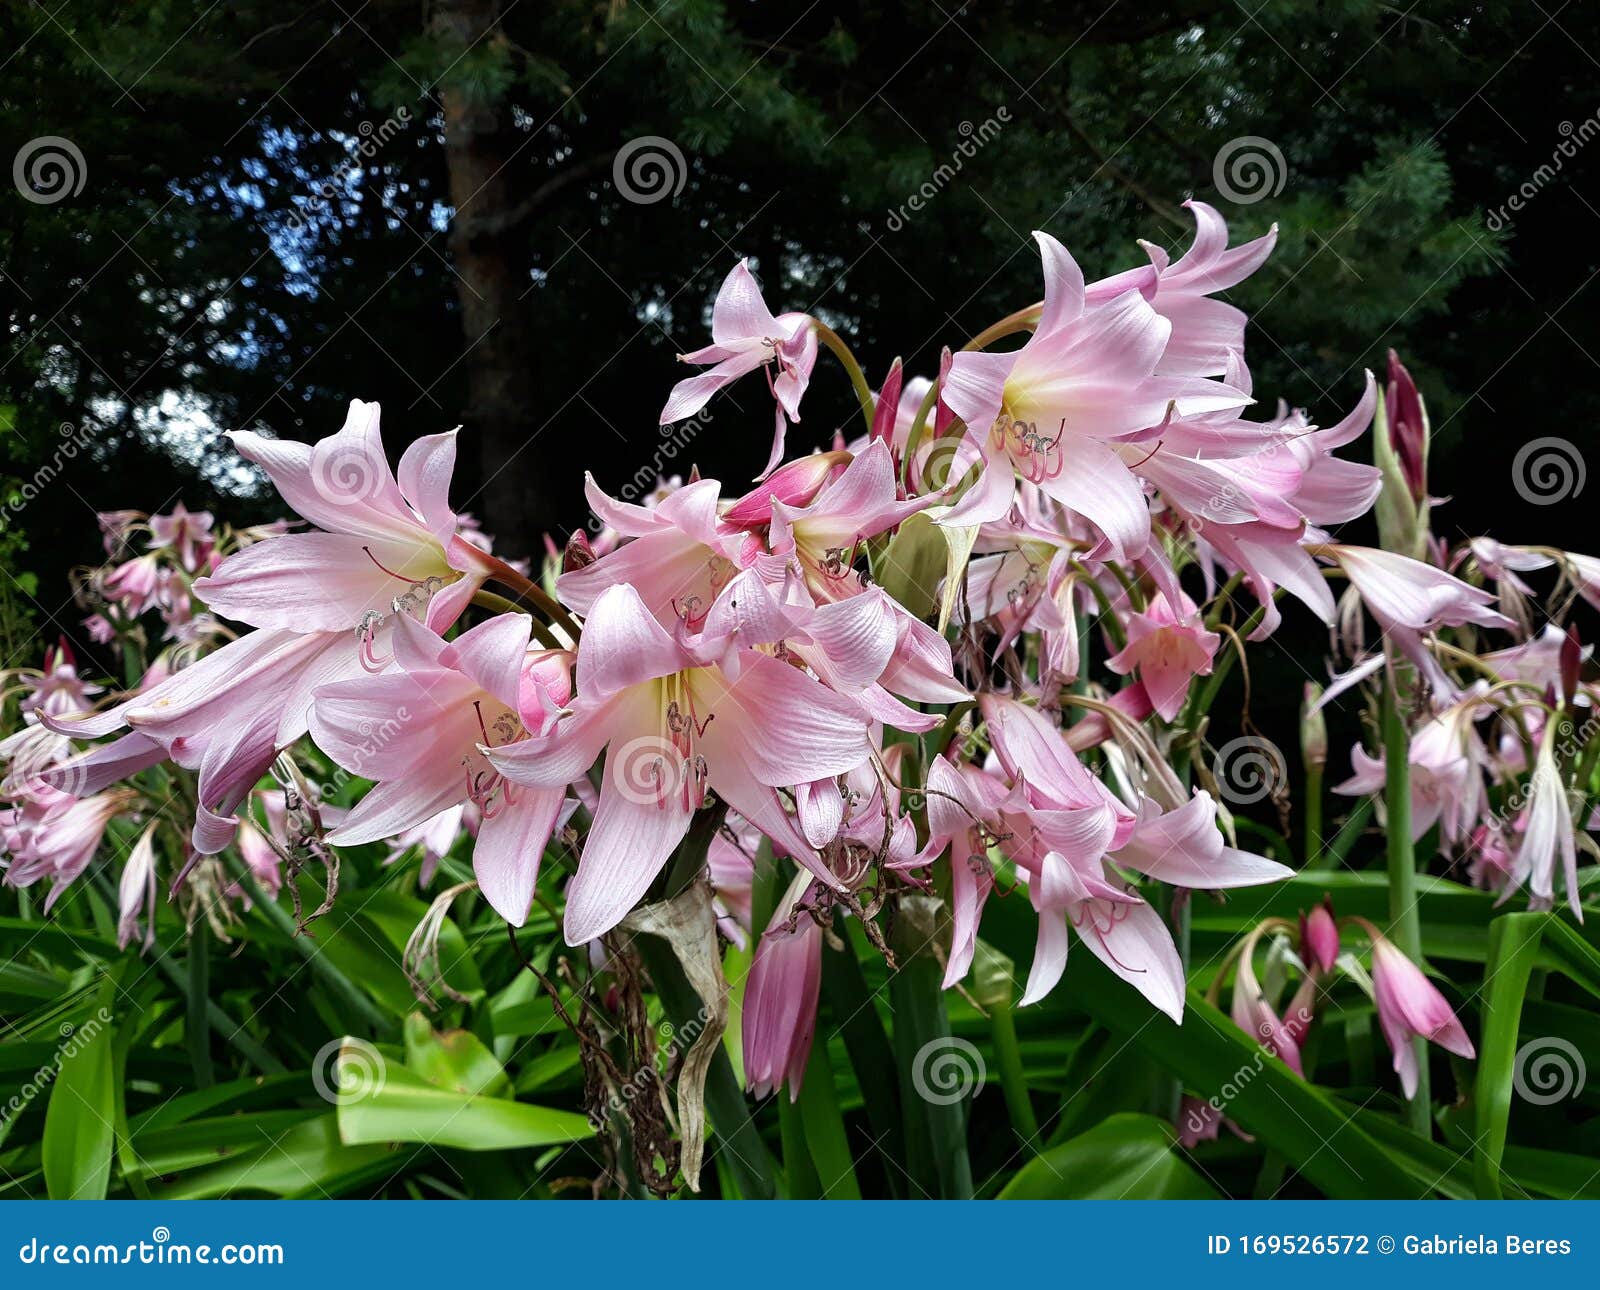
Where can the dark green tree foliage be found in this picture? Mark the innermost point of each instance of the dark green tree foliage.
(285, 206)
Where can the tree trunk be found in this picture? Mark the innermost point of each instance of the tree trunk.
(514, 498)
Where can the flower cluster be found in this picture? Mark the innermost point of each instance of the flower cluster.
(971, 651)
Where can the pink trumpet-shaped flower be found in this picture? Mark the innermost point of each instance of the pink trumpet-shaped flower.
(420, 732)
(383, 538)
(134, 584)
(1170, 648)
(1254, 1015)
(780, 999)
(136, 891)
(186, 532)
(1048, 412)
(745, 336)
(1409, 1006)
(1409, 598)
(680, 716)
(51, 835)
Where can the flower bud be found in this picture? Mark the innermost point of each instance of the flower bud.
(1319, 938)
(795, 484)
(1400, 451)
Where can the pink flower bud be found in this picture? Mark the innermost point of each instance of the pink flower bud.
(1409, 1005)
(794, 484)
(1408, 428)
(1319, 938)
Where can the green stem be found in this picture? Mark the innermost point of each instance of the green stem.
(500, 605)
(195, 1032)
(1313, 842)
(339, 985)
(1013, 1081)
(850, 1003)
(929, 1060)
(1405, 919)
(841, 351)
(914, 437)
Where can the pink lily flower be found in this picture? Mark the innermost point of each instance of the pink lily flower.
(679, 719)
(117, 529)
(1204, 331)
(959, 800)
(1170, 647)
(1086, 377)
(1065, 830)
(186, 532)
(1409, 1005)
(1408, 598)
(824, 537)
(136, 892)
(227, 716)
(779, 1019)
(52, 835)
(679, 555)
(1447, 760)
(420, 732)
(380, 539)
(795, 483)
(1547, 832)
(134, 584)
(1257, 1018)
(745, 336)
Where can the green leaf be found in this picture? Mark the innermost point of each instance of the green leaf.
(382, 1101)
(306, 1159)
(1513, 951)
(79, 1123)
(1567, 952)
(453, 1059)
(1214, 1058)
(1127, 1157)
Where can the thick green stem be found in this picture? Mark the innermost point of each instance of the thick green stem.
(841, 351)
(1313, 843)
(1013, 1081)
(935, 1068)
(1405, 919)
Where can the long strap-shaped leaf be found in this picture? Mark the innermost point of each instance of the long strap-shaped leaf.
(1214, 1058)
(1513, 952)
